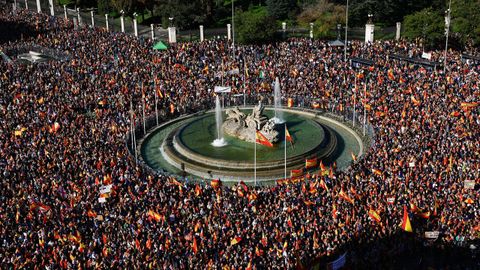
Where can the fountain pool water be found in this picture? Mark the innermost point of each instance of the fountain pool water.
(220, 140)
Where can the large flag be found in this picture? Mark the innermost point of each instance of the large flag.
(261, 139)
(406, 226)
(288, 137)
(310, 163)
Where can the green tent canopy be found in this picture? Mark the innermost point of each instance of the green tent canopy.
(160, 46)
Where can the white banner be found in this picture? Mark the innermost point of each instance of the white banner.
(105, 189)
(427, 55)
(469, 184)
(431, 234)
(223, 89)
(233, 71)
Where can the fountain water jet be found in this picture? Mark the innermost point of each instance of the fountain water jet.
(278, 119)
(219, 141)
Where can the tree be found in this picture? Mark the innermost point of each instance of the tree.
(426, 24)
(281, 9)
(255, 26)
(325, 16)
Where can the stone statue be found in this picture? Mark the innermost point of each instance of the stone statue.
(244, 126)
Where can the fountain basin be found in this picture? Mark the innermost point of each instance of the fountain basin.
(183, 146)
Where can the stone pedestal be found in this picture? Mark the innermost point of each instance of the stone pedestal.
(152, 29)
(39, 7)
(201, 33)
(399, 28)
(172, 35)
(229, 31)
(52, 11)
(106, 21)
(369, 32)
(93, 19)
(122, 23)
(135, 29)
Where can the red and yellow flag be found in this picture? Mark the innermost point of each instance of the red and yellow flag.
(215, 183)
(374, 215)
(198, 190)
(261, 139)
(406, 226)
(195, 245)
(296, 173)
(354, 158)
(288, 137)
(235, 241)
(310, 163)
(344, 196)
(290, 102)
(390, 75)
(154, 215)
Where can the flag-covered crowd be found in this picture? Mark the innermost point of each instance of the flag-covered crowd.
(72, 196)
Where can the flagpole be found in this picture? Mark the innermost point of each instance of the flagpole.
(354, 99)
(156, 102)
(285, 151)
(364, 108)
(131, 125)
(143, 110)
(244, 79)
(255, 157)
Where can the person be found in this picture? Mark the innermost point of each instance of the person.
(74, 196)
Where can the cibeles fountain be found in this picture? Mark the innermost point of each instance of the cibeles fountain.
(244, 127)
(222, 143)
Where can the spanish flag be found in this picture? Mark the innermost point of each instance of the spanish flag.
(354, 158)
(414, 100)
(215, 183)
(322, 167)
(198, 190)
(406, 226)
(154, 215)
(288, 137)
(235, 241)
(261, 139)
(374, 215)
(296, 173)
(290, 102)
(310, 163)
(323, 185)
(344, 196)
(390, 74)
(377, 172)
(195, 245)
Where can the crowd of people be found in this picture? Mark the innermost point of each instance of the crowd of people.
(73, 197)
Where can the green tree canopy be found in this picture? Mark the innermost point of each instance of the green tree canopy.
(281, 9)
(426, 24)
(254, 26)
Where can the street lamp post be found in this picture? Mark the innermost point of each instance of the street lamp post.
(233, 29)
(447, 30)
(346, 34)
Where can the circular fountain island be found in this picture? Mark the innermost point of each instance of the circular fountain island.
(251, 144)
